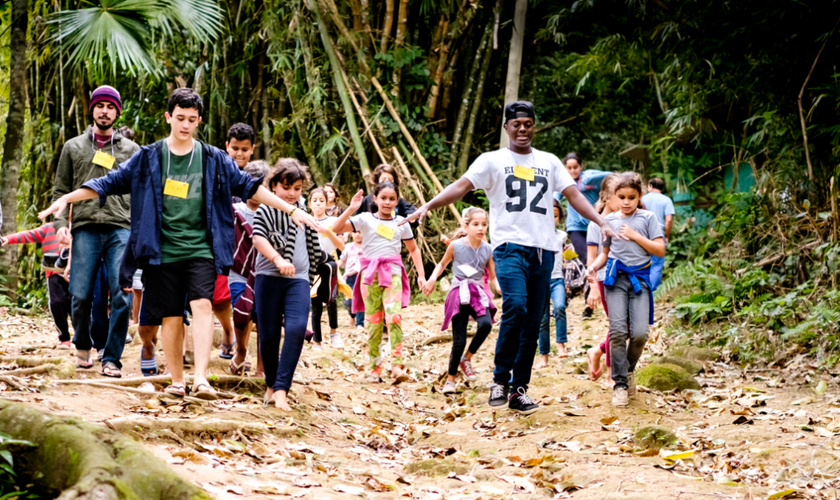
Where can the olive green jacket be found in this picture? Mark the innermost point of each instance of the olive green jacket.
(75, 167)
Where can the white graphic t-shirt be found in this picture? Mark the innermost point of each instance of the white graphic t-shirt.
(520, 189)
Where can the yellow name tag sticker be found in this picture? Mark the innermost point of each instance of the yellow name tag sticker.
(468, 270)
(177, 189)
(385, 231)
(521, 172)
(103, 159)
(569, 254)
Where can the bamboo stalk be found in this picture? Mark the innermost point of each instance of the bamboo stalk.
(366, 174)
(388, 24)
(420, 158)
(407, 175)
(466, 147)
(336, 17)
(466, 100)
(417, 168)
(342, 90)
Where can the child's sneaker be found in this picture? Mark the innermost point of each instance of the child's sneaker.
(522, 402)
(448, 388)
(498, 395)
(375, 375)
(620, 398)
(336, 342)
(631, 384)
(467, 368)
(317, 347)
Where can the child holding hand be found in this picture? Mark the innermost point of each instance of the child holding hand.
(627, 282)
(472, 260)
(382, 289)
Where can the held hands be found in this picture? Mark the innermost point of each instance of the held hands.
(56, 208)
(428, 287)
(4, 241)
(301, 218)
(418, 215)
(608, 232)
(591, 275)
(285, 267)
(421, 283)
(63, 236)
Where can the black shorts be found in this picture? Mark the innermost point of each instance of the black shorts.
(168, 286)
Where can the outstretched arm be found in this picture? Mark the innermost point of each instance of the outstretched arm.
(299, 217)
(451, 194)
(429, 287)
(584, 208)
(60, 204)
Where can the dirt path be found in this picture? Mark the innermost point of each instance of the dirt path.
(752, 433)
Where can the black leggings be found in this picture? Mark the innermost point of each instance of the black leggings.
(579, 242)
(59, 304)
(326, 294)
(459, 335)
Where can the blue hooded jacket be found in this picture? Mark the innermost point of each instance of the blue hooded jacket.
(141, 177)
(589, 185)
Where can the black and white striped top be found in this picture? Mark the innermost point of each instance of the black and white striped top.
(277, 227)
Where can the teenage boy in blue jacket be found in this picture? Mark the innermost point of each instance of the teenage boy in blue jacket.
(181, 228)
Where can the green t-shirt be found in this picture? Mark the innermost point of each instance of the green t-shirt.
(183, 232)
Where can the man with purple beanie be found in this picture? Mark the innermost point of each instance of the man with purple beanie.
(99, 234)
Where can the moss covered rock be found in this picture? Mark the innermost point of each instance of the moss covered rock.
(654, 437)
(695, 353)
(665, 378)
(436, 467)
(691, 366)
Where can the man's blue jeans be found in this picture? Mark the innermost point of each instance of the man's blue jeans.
(558, 299)
(99, 310)
(524, 274)
(90, 246)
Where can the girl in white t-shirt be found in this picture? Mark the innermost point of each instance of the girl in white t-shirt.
(382, 288)
(328, 271)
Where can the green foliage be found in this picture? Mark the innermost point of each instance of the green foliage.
(9, 483)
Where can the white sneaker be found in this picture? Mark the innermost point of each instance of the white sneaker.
(317, 347)
(631, 384)
(448, 387)
(620, 398)
(336, 342)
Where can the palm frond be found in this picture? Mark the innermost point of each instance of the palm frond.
(119, 31)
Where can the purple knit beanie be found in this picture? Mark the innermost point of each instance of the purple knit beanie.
(108, 94)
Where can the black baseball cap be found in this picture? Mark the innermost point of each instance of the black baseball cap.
(519, 109)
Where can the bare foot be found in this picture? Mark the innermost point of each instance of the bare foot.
(561, 351)
(594, 355)
(280, 403)
(543, 362)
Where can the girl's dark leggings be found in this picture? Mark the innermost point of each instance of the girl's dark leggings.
(459, 335)
(325, 294)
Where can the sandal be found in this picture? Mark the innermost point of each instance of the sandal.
(179, 390)
(83, 361)
(205, 392)
(226, 352)
(148, 367)
(110, 369)
(240, 369)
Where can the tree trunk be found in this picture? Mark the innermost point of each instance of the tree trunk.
(340, 88)
(313, 80)
(466, 100)
(266, 127)
(517, 40)
(402, 26)
(437, 70)
(342, 28)
(10, 167)
(466, 146)
(303, 134)
(80, 461)
(387, 25)
(355, 10)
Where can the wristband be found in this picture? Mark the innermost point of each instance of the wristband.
(292, 211)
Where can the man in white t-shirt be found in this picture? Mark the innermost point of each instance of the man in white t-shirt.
(519, 182)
